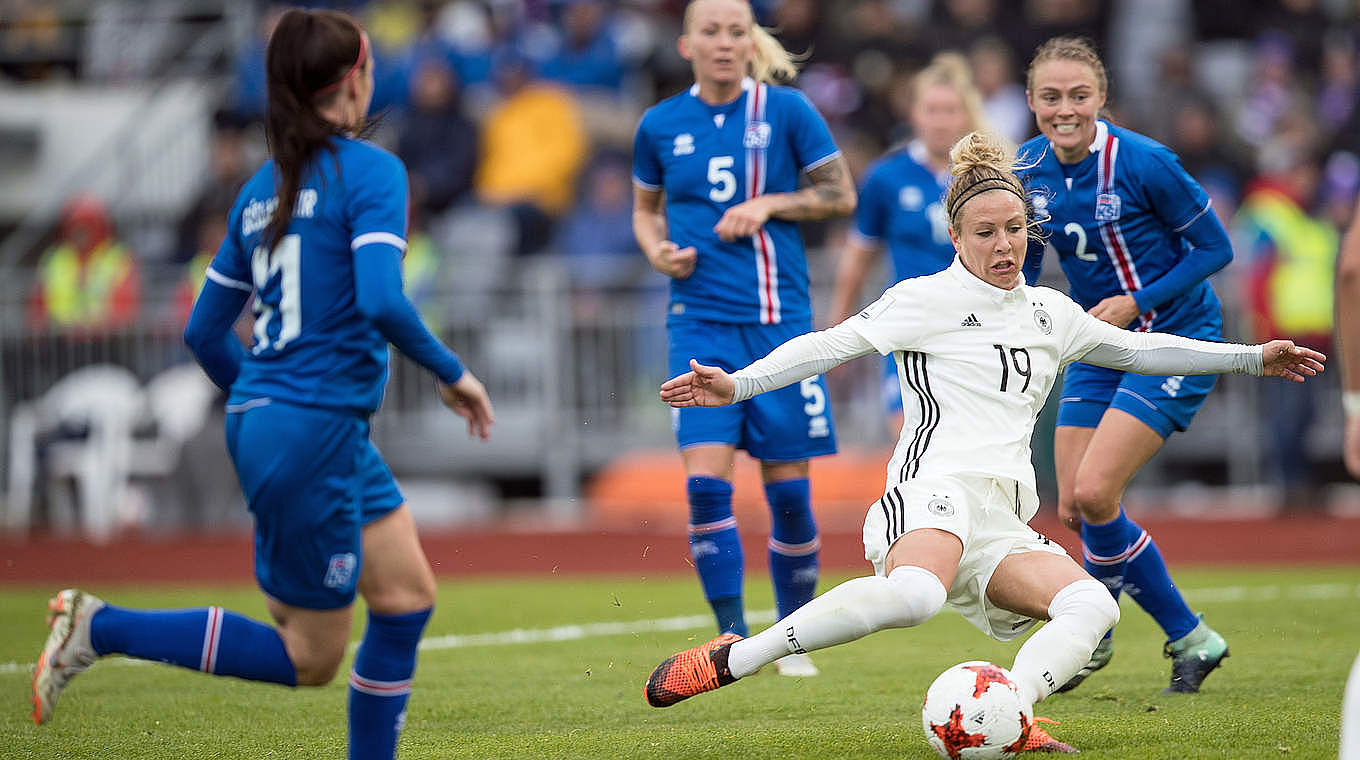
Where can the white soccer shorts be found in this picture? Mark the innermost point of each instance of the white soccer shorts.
(982, 512)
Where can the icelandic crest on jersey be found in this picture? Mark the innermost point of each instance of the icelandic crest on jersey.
(757, 136)
(1107, 207)
(1039, 201)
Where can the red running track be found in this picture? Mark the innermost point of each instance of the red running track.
(491, 551)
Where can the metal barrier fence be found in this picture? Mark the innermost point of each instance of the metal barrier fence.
(574, 377)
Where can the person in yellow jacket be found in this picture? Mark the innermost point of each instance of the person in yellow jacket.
(1292, 255)
(87, 279)
(534, 144)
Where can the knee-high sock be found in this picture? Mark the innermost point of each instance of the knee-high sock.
(1078, 616)
(1121, 552)
(793, 544)
(380, 683)
(908, 596)
(209, 639)
(716, 548)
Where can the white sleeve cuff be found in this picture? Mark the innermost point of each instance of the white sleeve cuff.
(369, 238)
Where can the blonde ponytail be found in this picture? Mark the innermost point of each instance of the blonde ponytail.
(772, 62)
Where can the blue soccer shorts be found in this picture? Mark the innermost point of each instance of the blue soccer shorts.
(312, 479)
(1165, 404)
(785, 425)
(892, 387)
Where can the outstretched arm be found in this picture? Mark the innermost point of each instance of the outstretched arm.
(1163, 354)
(797, 359)
(378, 295)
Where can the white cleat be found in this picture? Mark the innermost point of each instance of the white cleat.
(796, 666)
(67, 651)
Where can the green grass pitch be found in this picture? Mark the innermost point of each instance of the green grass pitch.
(1293, 635)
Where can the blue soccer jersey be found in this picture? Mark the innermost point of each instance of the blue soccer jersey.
(901, 205)
(312, 344)
(709, 158)
(1121, 222)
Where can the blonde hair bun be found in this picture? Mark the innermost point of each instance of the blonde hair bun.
(981, 150)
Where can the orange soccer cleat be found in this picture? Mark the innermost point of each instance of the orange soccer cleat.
(1040, 741)
(693, 671)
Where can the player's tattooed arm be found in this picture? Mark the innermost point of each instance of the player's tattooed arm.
(832, 193)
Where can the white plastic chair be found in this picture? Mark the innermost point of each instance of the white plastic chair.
(109, 402)
(179, 400)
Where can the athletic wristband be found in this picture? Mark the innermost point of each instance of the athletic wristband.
(1350, 402)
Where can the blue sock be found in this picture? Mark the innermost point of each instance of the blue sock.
(716, 548)
(210, 639)
(380, 683)
(1104, 550)
(1148, 583)
(1123, 556)
(793, 544)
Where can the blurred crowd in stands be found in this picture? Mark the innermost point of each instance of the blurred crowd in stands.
(515, 119)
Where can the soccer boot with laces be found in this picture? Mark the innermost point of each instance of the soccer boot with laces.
(1193, 657)
(67, 651)
(693, 671)
(796, 666)
(1101, 657)
(1039, 740)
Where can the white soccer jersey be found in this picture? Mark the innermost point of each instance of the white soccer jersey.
(976, 364)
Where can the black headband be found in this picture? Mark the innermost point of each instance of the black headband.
(977, 188)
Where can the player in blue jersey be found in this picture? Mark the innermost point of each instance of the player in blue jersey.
(1137, 239)
(317, 234)
(716, 207)
(901, 199)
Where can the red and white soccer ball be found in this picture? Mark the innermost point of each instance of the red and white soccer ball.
(974, 711)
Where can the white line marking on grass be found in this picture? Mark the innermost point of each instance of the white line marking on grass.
(1307, 592)
(581, 631)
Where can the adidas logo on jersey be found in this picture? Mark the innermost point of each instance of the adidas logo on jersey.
(971, 321)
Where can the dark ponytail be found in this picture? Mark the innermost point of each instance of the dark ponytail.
(308, 54)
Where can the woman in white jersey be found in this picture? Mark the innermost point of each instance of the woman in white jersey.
(977, 351)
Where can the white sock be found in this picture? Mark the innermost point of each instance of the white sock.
(1079, 616)
(908, 596)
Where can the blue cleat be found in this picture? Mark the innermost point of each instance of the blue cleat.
(1193, 657)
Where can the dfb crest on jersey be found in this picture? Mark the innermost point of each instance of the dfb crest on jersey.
(757, 135)
(1107, 207)
(1044, 321)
